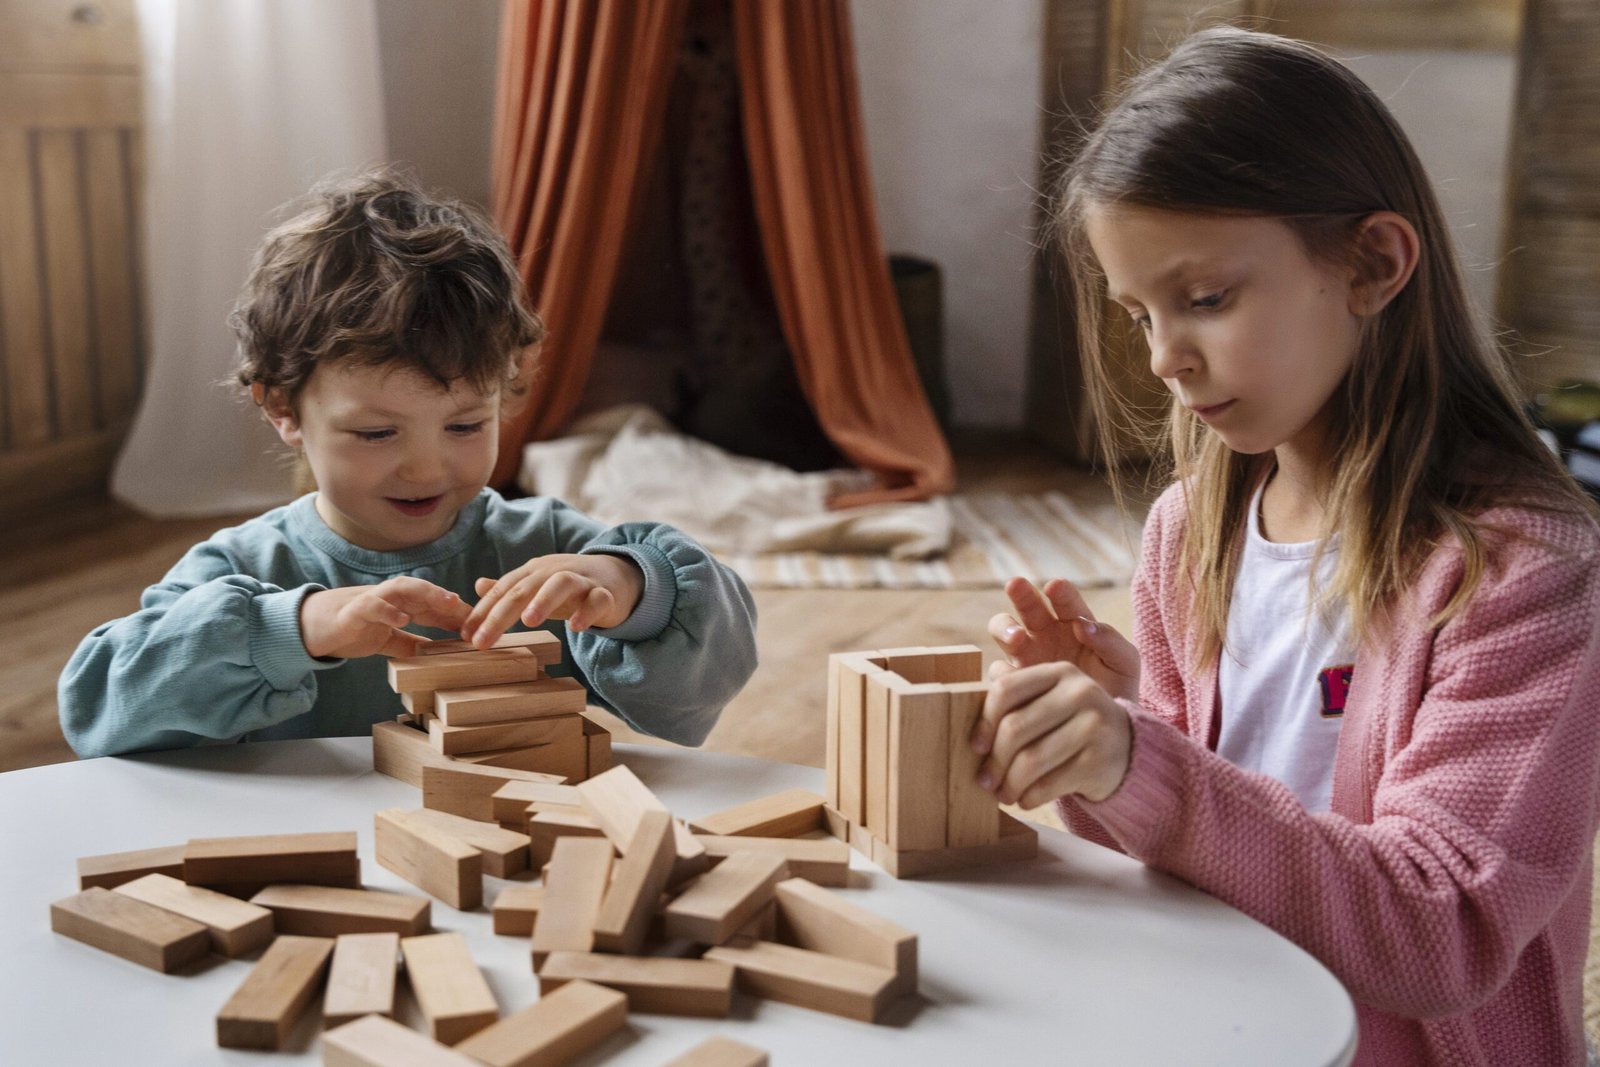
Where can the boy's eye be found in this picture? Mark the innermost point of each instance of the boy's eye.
(373, 435)
(466, 429)
(1208, 301)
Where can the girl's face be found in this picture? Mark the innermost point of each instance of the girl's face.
(1245, 329)
(396, 456)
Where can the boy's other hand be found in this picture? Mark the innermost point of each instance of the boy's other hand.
(1054, 625)
(366, 620)
(594, 589)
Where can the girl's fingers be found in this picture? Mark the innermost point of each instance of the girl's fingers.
(1033, 610)
(1065, 600)
(1055, 747)
(1114, 650)
(1011, 691)
(1007, 632)
(1000, 667)
(1019, 729)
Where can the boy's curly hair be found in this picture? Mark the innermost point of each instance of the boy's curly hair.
(374, 271)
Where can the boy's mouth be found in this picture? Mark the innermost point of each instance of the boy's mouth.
(415, 506)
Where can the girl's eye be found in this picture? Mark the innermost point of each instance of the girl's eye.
(373, 435)
(467, 429)
(1141, 321)
(1209, 301)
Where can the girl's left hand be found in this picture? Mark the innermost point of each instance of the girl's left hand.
(592, 589)
(1050, 730)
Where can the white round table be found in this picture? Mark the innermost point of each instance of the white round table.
(1080, 956)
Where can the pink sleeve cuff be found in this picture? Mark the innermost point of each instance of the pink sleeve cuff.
(1152, 793)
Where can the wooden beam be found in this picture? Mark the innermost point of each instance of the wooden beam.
(561, 1025)
(449, 988)
(273, 995)
(436, 863)
(139, 932)
(361, 978)
(651, 983)
(327, 911)
(236, 928)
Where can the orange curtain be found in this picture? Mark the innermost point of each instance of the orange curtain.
(583, 85)
(582, 88)
(819, 227)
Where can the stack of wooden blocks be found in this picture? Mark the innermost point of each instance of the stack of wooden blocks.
(901, 773)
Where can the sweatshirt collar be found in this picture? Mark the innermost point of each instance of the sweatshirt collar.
(305, 521)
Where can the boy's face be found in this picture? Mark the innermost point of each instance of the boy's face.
(395, 455)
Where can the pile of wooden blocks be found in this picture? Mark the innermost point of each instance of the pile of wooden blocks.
(499, 707)
(901, 773)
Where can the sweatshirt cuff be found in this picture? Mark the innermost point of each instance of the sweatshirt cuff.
(276, 647)
(1152, 791)
(654, 610)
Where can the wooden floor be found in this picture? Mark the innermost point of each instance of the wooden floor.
(80, 567)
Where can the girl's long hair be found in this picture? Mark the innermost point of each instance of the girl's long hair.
(1428, 430)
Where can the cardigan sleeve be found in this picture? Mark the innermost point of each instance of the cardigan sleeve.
(1482, 817)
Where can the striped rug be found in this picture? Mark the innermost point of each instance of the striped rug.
(997, 535)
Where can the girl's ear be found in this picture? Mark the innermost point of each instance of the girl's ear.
(276, 407)
(1386, 256)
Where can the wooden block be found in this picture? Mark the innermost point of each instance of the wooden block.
(1018, 841)
(374, 1041)
(574, 887)
(401, 752)
(787, 814)
(830, 737)
(763, 926)
(520, 733)
(114, 868)
(854, 670)
(123, 926)
(721, 1051)
(510, 802)
(617, 799)
(972, 812)
(548, 827)
(726, 897)
(449, 988)
(361, 979)
(634, 894)
(479, 705)
(875, 782)
(916, 665)
(264, 1008)
(235, 927)
(919, 767)
(444, 866)
(326, 911)
(822, 862)
(957, 664)
(505, 852)
(453, 670)
(553, 1030)
(467, 789)
(568, 758)
(422, 707)
(652, 983)
(813, 918)
(810, 979)
(516, 908)
(598, 739)
(835, 823)
(544, 645)
(315, 859)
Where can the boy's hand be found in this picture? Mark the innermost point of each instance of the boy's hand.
(1055, 625)
(595, 589)
(1050, 730)
(365, 620)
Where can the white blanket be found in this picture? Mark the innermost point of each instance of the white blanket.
(628, 463)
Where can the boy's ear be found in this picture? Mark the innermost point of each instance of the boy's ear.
(276, 407)
(1387, 249)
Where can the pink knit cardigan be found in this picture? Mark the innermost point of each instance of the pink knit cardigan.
(1448, 888)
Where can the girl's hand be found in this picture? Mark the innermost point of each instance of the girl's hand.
(1051, 730)
(1056, 626)
(366, 620)
(595, 589)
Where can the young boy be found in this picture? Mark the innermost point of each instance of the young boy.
(380, 332)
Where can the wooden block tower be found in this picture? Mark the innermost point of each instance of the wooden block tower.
(901, 776)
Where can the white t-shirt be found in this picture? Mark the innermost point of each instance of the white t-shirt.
(1285, 671)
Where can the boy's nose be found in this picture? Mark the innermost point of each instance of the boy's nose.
(422, 465)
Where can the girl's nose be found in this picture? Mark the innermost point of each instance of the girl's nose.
(1171, 351)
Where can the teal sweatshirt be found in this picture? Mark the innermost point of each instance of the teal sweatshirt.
(214, 651)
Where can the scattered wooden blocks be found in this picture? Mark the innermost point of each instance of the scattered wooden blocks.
(726, 897)
(437, 863)
(449, 987)
(314, 859)
(559, 1026)
(124, 926)
(813, 918)
(114, 868)
(810, 979)
(516, 908)
(721, 1051)
(599, 758)
(468, 790)
(326, 911)
(401, 752)
(567, 758)
(510, 802)
(641, 876)
(651, 983)
(617, 799)
(264, 1008)
(361, 979)
(580, 869)
(825, 862)
(548, 827)
(505, 852)
(235, 927)
(374, 1041)
(787, 814)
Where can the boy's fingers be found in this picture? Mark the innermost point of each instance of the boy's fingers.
(593, 606)
(483, 585)
(557, 598)
(1065, 600)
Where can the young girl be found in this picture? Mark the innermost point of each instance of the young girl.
(379, 332)
(1362, 706)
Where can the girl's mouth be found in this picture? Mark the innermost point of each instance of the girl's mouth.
(416, 507)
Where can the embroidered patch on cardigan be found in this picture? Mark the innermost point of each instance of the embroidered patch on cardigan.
(1335, 683)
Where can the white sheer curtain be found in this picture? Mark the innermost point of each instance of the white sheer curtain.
(247, 102)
